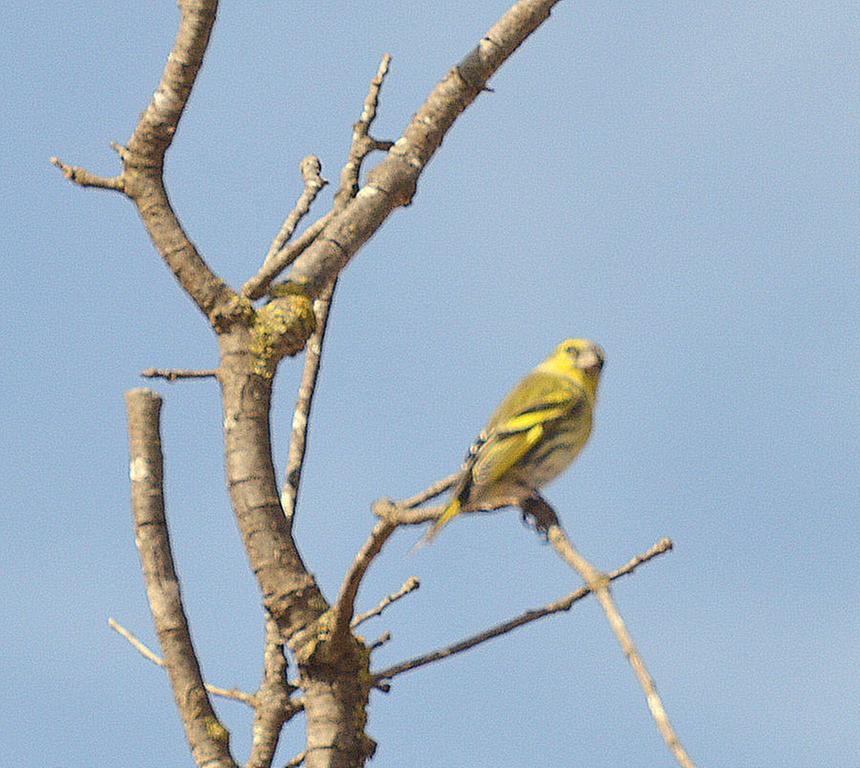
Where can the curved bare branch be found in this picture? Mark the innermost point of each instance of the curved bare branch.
(209, 740)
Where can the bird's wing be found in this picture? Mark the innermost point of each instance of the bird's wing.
(516, 427)
(519, 424)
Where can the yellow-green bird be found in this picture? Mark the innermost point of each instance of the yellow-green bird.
(533, 436)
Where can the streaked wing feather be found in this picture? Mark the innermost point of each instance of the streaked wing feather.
(501, 452)
(518, 425)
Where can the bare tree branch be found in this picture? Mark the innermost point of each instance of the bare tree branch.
(257, 285)
(172, 374)
(401, 515)
(393, 182)
(310, 169)
(362, 142)
(410, 585)
(209, 739)
(274, 705)
(344, 606)
(225, 693)
(143, 163)
(296, 761)
(564, 604)
(598, 582)
(391, 515)
(304, 403)
(380, 641)
(157, 125)
(362, 145)
(432, 492)
(83, 178)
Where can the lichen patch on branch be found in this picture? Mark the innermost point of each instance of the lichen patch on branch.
(281, 328)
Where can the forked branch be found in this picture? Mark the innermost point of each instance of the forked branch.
(410, 585)
(598, 583)
(392, 183)
(563, 604)
(143, 162)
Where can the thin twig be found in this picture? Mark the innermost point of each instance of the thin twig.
(380, 641)
(361, 146)
(83, 178)
(310, 169)
(393, 182)
(209, 739)
(274, 705)
(437, 489)
(401, 515)
(147, 653)
(599, 584)
(345, 604)
(563, 604)
(172, 374)
(296, 761)
(259, 283)
(410, 585)
(362, 142)
(304, 403)
(391, 515)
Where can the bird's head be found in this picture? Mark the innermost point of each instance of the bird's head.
(579, 359)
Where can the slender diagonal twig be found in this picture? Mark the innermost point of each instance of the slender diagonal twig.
(598, 582)
(380, 641)
(256, 286)
(310, 169)
(432, 492)
(296, 761)
(391, 515)
(410, 585)
(563, 604)
(362, 142)
(344, 606)
(361, 146)
(304, 403)
(209, 739)
(173, 374)
(225, 693)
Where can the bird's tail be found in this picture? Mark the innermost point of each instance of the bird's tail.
(451, 511)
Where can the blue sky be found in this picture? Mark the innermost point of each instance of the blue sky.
(678, 181)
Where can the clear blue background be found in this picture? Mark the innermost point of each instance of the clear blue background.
(678, 181)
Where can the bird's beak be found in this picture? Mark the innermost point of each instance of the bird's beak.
(593, 363)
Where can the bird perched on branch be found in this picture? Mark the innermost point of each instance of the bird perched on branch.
(533, 436)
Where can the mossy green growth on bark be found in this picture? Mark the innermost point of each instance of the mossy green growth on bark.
(282, 327)
(216, 731)
(239, 309)
(367, 746)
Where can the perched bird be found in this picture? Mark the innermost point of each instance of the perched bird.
(533, 436)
